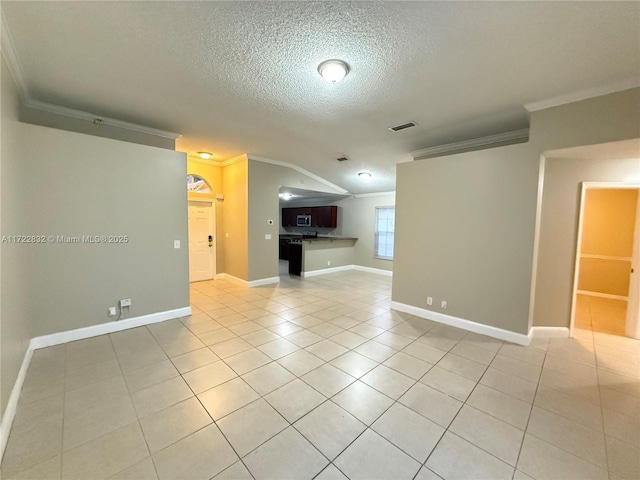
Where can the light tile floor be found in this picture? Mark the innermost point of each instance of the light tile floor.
(599, 314)
(317, 378)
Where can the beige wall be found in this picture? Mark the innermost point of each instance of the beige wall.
(604, 276)
(15, 325)
(61, 183)
(318, 255)
(608, 225)
(235, 208)
(609, 222)
(465, 223)
(559, 230)
(357, 218)
(464, 234)
(265, 180)
(213, 176)
(86, 185)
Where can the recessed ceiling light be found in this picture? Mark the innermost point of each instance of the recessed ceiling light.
(204, 155)
(364, 175)
(333, 71)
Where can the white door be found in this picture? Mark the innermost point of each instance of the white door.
(632, 327)
(201, 241)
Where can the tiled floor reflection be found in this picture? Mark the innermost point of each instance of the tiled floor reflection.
(605, 315)
(317, 378)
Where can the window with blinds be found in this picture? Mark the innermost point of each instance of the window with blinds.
(385, 221)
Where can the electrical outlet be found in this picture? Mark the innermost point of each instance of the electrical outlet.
(176, 244)
(443, 304)
(328, 262)
(226, 235)
(429, 300)
(125, 302)
(267, 236)
(112, 311)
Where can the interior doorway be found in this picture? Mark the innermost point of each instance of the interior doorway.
(202, 235)
(606, 287)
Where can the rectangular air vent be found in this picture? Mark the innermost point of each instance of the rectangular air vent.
(342, 159)
(397, 128)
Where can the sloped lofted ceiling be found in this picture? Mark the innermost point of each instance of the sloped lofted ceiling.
(241, 77)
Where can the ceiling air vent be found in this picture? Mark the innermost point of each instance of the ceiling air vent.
(397, 128)
(342, 159)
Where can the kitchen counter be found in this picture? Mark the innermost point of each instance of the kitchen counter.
(331, 238)
(309, 256)
(317, 239)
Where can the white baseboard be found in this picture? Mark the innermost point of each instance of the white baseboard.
(231, 278)
(12, 404)
(252, 283)
(549, 332)
(70, 336)
(602, 295)
(104, 328)
(325, 271)
(379, 271)
(499, 333)
(263, 281)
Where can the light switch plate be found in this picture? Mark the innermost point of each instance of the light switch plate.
(176, 244)
(267, 236)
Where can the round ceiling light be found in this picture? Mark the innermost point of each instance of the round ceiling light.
(333, 71)
(204, 155)
(364, 175)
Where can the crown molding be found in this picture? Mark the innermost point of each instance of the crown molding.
(9, 53)
(97, 119)
(583, 95)
(374, 194)
(238, 158)
(516, 136)
(299, 170)
(13, 61)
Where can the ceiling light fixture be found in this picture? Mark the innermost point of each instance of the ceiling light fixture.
(286, 196)
(204, 155)
(364, 175)
(333, 71)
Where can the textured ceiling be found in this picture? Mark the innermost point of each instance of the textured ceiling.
(240, 77)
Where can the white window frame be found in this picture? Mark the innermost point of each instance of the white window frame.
(377, 233)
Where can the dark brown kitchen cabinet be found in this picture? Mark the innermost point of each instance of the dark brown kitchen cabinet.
(326, 217)
(284, 249)
(321, 217)
(295, 258)
(289, 217)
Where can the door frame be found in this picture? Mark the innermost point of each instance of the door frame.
(576, 271)
(214, 247)
(632, 325)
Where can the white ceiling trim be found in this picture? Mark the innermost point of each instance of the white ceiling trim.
(375, 194)
(232, 160)
(465, 145)
(583, 95)
(9, 53)
(97, 119)
(299, 170)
